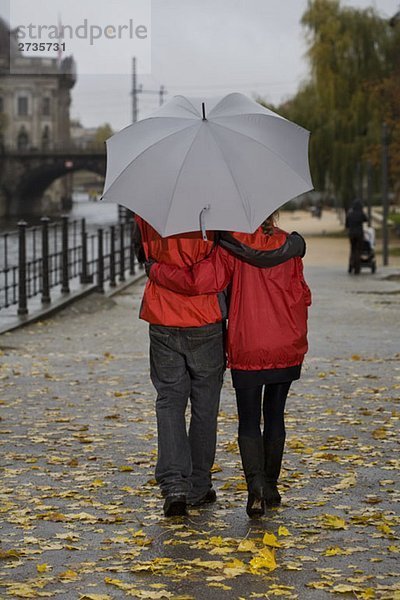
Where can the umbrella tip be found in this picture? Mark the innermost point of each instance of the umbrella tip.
(203, 108)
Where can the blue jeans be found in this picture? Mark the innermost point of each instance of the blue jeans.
(186, 362)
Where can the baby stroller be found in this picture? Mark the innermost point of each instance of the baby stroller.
(368, 253)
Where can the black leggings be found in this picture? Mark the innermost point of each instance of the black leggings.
(249, 410)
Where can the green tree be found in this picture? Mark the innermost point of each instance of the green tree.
(351, 52)
(387, 97)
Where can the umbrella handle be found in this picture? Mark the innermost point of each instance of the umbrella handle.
(202, 223)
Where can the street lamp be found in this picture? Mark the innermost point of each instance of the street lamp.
(385, 195)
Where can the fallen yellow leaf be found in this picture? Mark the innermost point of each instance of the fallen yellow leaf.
(333, 522)
(43, 568)
(367, 594)
(246, 546)
(343, 588)
(217, 584)
(264, 560)
(270, 539)
(7, 554)
(68, 574)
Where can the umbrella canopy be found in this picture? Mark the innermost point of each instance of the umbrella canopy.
(217, 164)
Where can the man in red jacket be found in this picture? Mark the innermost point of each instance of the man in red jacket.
(187, 360)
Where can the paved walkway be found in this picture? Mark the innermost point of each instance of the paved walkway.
(81, 516)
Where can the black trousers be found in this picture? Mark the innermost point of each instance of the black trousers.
(251, 403)
(356, 244)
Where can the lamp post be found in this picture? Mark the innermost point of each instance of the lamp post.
(369, 193)
(385, 196)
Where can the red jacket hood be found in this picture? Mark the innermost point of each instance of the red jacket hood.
(161, 306)
(260, 240)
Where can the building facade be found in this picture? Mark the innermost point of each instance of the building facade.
(35, 97)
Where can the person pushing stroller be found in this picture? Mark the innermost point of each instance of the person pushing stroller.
(355, 219)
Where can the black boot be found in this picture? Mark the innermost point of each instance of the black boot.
(273, 452)
(175, 505)
(252, 453)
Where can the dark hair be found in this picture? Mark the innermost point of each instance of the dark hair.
(270, 222)
(357, 204)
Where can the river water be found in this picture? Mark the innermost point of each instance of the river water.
(97, 214)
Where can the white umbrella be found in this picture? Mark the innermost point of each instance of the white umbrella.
(217, 164)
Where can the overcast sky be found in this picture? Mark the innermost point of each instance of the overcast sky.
(208, 47)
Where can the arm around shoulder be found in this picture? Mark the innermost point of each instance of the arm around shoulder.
(294, 245)
(209, 276)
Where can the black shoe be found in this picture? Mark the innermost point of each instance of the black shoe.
(175, 506)
(255, 505)
(209, 497)
(271, 496)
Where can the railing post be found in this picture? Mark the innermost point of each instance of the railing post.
(100, 262)
(85, 278)
(64, 253)
(22, 297)
(113, 283)
(122, 252)
(45, 261)
(131, 251)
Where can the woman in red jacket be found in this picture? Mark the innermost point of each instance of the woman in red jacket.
(266, 342)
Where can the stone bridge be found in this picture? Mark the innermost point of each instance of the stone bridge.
(25, 175)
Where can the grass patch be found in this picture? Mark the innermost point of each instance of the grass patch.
(392, 251)
(328, 234)
(395, 217)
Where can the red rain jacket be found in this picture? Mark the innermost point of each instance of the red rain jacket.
(161, 306)
(268, 306)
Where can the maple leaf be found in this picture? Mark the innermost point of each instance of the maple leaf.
(270, 539)
(343, 588)
(247, 546)
(42, 568)
(265, 559)
(333, 522)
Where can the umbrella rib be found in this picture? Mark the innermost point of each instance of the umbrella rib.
(145, 150)
(179, 173)
(196, 112)
(261, 144)
(245, 203)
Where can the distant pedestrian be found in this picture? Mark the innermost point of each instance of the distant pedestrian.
(354, 224)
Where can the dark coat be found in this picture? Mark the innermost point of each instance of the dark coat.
(354, 220)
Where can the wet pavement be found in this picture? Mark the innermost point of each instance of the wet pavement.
(81, 516)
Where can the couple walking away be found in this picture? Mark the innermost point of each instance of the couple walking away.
(221, 163)
(192, 282)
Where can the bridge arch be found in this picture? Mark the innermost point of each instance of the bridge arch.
(34, 174)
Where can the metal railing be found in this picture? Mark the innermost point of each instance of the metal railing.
(35, 260)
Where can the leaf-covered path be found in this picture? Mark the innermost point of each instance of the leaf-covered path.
(81, 516)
